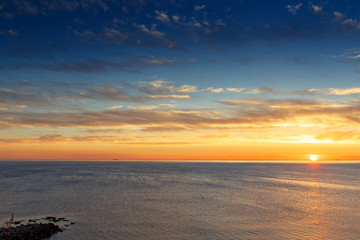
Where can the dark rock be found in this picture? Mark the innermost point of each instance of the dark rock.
(31, 231)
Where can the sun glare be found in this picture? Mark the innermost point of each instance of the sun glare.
(313, 157)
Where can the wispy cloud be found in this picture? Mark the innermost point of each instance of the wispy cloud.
(10, 32)
(151, 107)
(338, 16)
(199, 7)
(238, 90)
(294, 8)
(115, 107)
(162, 16)
(125, 63)
(213, 90)
(165, 87)
(261, 90)
(152, 31)
(316, 9)
(343, 91)
(329, 91)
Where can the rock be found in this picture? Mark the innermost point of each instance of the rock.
(32, 230)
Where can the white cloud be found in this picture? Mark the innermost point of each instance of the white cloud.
(331, 91)
(170, 96)
(197, 24)
(213, 90)
(151, 31)
(10, 32)
(235, 89)
(21, 106)
(343, 91)
(186, 89)
(151, 107)
(161, 86)
(199, 7)
(352, 53)
(294, 8)
(176, 18)
(260, 90)
(162, 16)
(161, 61)
(316, 9)
(338, 16)
(115, 107)
(351, 22)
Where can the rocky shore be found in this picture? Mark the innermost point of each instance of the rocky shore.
(34, 229)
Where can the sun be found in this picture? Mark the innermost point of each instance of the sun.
(313, 157)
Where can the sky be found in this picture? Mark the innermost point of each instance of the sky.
(172, 80)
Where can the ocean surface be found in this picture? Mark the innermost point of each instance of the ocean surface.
(174, 200)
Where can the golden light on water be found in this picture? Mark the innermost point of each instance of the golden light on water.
(313, 157)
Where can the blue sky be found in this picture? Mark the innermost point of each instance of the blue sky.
(98, 57)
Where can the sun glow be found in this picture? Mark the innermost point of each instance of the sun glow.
(313, 157)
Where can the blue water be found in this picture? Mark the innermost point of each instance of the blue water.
(165, 200)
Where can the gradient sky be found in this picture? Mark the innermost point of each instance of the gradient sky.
(98, 79)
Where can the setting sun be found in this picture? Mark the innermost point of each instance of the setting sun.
(313, 157)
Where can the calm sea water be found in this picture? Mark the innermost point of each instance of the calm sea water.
(152, 200)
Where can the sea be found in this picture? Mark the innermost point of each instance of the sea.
(186, 200)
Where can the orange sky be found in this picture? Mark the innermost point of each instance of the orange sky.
(240, 151)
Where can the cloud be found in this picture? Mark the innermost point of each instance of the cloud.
(213, 90)
(273, 103)
(261, 90)
(245, 111)
(10, 32)
(110, 93)
(197, 24)
(294, 8)
(173, 96)
(352, 54)
(115, 107)
(151, 107)
(337, 136)
(329, 91)
(316, 8)
(351, 23)
(257, 118)
(307, 92)
(125, 63)
(238, 90)
(162, 16)
(14, 8)
(343, 91)
(176, 18)
(160, 61)
(164, 129)
(199, 7)
(153, 32)
(164, 87)
(338, 16)
(112, 34)
(21, 97)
